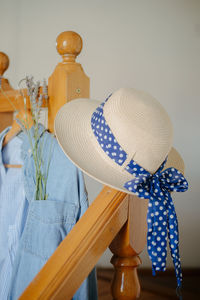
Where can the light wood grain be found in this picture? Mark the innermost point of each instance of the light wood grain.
(6, 119)
(4, 63)
(68, 80)
(24, 116)
(126, 246)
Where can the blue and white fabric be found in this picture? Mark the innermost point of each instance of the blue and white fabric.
(31, 230)
(161, 217)
(13, 210)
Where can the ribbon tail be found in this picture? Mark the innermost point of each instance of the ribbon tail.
(157, 234)
(179, 293)
(173, 235)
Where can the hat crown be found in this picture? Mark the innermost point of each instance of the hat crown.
(140, 125)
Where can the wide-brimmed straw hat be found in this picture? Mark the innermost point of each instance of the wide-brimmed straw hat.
(125, 142)
(138, 122)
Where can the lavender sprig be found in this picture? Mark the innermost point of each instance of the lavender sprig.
(36, 101)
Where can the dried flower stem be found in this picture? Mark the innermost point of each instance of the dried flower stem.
(36, 147)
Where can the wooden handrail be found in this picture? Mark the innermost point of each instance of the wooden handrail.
(7, 97)
(80, 250)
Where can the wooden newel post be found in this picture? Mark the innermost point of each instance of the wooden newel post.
(6, 114)
(126, 246)
(68, 80)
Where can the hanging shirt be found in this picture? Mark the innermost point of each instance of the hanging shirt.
(46, 222)
(13, 210)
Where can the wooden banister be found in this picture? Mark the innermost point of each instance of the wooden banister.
(110, 212)
(114, 219)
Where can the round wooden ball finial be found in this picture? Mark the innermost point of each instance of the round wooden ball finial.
(4, 63)
(69, 45)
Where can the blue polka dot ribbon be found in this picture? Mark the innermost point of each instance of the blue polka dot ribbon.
(161, 216)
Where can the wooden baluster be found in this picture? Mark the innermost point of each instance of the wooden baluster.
(126, 247)
(68, 80)
(6, 116)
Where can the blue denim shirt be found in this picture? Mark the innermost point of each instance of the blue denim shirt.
(13, 208)
(49, 221)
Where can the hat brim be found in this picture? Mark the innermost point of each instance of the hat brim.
(74, 134)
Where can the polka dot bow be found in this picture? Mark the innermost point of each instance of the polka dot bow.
(161, 217)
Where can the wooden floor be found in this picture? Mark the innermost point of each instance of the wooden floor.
(161, 287)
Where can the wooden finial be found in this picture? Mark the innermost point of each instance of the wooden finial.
(69, 45)
(4, 63)
(68, 80)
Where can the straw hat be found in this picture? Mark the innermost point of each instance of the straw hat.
(138, 122)
(124, 142)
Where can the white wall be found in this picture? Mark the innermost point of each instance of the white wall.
(153, 45)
